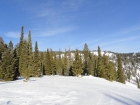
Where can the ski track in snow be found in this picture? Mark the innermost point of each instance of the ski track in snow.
(59, 90)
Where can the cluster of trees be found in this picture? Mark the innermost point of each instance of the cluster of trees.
(21, 60)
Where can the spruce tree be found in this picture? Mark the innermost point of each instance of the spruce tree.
(100, 71)
(120, 72)
(52, 62)
(21, 41)
(47, 63)
(69, 62)
(111, 74)
(23, 61)
(77, 64)
(91, 65)
(8, 66)
(42, 63)
(19, 48)
(2, 47)
(86, 56)
(65, 67)
(30, 55)
(105, 69)
(10, 46)
(36, 62)
(59, 65)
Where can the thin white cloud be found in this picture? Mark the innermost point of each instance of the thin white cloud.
(53, 32)
(13, 34)
(88, 42)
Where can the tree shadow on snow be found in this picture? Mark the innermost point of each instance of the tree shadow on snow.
(123, 100)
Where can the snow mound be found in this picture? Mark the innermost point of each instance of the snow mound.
(59, 90)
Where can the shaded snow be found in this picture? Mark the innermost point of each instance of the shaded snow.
(59, 90)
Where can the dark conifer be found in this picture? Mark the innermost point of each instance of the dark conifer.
(120, 72)
(100, 72)
(8, 66)
(77, 64)
(86, 56)
(36, 62)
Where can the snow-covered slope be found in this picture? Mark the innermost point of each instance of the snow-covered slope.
(59, 90)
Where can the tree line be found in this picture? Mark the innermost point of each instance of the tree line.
(21, 60)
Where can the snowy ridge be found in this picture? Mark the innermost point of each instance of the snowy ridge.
(59, 90)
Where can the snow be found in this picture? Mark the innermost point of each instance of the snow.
(60, 90)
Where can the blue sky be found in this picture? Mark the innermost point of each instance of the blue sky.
(114, 25)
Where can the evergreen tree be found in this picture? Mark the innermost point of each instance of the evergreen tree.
(23, 61)
(95, 65)
(47, 63)
(36, 62)
(105, 69)
(8, 66)
(86, 56)
(29, 55)
(120, 72)
(19, 50)
(90, 65)
(42, 63)
(21, 41)
(100, 71)
(111, 74)
(2, 47)
(65, 67)
(69, 62)
(10, 46)
(59, 66)
(52, 62)
(77, 64)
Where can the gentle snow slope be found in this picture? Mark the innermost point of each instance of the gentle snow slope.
(58, 90)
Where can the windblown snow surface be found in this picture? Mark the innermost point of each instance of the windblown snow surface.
(59, 90)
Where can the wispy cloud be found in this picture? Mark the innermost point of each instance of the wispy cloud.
(13, 34)
(88, 42)
(128, 30)
(123, 40)
(56, 31)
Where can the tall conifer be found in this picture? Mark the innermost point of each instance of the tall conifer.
(77, 64)
(36, 62)
(120, 72)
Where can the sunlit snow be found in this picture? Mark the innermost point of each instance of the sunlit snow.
(59, 90)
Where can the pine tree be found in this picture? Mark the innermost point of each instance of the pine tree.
(77, 64)
(52, 62)
(29, 55)
(65, 67)
(120, 72)
(91, 65)
(59, 66)
(95, 65)
(2, 47)
(36, 62)
(100, 71)
(42, 63)
(105, 69)
(8, 66)
(23, 61)
(86, 56)
(21, 41)
(69, 62)
(19, 50)
(111, 74)
(10, 46)
(47, 63)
